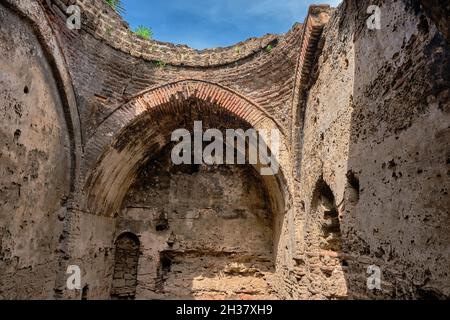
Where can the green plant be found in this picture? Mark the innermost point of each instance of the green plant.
(269, 48)
(144, 32)
(109, 31)
(117, 5)
(160, 64)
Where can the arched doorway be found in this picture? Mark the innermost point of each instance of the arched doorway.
(125, 267)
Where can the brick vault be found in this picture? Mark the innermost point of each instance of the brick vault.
(86, 177)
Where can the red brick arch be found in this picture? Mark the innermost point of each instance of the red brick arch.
(147, 119)
(169, 97)
(192, 88)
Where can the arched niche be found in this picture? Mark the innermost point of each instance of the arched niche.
(143, 133)
(126, 260)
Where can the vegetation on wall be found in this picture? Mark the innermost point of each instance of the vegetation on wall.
(144, 32)
(141, 31)
(117, 5)
(160, 63)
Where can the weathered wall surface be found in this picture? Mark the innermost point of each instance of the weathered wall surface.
(34, 164)
(400, 134)
(363, 171)
(142, 138)
(376, 131)
(206, 232)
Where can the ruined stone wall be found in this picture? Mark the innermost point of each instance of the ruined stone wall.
(376, 132)
(363, 167)
(34, 163)
(206, 232)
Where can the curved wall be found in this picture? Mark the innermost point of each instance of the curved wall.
(35, 164)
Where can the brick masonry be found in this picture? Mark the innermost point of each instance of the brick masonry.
(363, 117)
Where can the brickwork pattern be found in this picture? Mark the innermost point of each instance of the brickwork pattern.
(126, 267)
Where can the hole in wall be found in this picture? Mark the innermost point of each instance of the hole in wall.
(17, 134)
(423, 25)
(323, 195)
(324, 203)
(353, 187)
(166, 263)
(162, 223)
(26, 90)
(85, 292)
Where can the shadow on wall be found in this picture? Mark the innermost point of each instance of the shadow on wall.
(326, 262)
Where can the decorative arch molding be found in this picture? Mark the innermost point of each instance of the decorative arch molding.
(168, 98)
(202, 89)
(310, 48)
(136, 130)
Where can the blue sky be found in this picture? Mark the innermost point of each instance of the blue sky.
(215, 23)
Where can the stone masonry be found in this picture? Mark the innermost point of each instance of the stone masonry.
(86, 177)
(125, 267)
